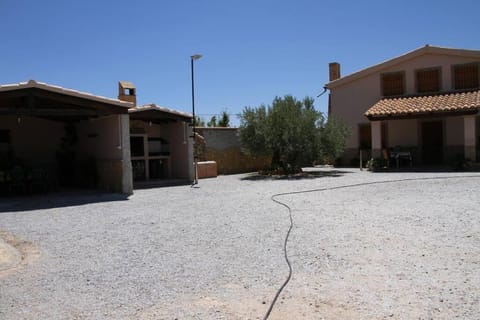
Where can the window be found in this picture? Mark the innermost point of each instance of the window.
(365, 136)
(428, 80)
(158, 146)
(137, 146)
(465, 76)
(4, 141)
(393, 84)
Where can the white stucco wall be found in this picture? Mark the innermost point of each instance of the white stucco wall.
(402, 132)
(178, 136)
(100, 138)
(349, 103)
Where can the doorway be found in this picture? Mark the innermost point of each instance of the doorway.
(432, 142)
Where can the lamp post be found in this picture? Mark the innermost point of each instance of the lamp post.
(195, 162)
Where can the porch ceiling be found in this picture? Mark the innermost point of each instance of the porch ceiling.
(55, 103)
(156, 114)
(444, 104)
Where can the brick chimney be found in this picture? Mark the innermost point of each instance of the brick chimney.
(334, 70)
(127, 92)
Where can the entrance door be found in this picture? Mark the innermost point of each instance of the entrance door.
(432, 142)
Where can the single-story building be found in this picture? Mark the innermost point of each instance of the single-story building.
(55, 137)
(424, 103)
(62, 137)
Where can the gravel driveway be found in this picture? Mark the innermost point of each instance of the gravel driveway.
(408, 249)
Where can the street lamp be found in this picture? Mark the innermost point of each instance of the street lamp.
(195, 160)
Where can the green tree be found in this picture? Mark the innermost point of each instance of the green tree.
(253, 131)
(292, 132)
(224, 120)
(333, 136)
(287, 131)
(212, 122)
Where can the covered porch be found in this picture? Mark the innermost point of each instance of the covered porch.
(52, 137)
(161, 147)
(427, 130)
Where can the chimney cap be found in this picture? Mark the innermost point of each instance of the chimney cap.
(126, 84)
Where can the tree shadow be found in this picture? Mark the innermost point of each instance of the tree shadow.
(57, 200)
(305, 175)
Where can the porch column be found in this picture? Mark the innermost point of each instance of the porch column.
(376, 138)
(124, 130)
(469, 135)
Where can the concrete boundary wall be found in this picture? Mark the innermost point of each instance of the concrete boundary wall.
(223, 146)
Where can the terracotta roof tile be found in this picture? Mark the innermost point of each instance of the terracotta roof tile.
(430, 104)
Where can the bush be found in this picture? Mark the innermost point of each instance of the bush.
(374, 164)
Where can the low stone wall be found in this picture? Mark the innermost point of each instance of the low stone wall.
(233, 160)
(207, 169)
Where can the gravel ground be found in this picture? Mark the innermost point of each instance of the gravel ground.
(399, 250)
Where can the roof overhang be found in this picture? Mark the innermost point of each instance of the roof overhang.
(414, 107)
(156, 114)
(42, 100)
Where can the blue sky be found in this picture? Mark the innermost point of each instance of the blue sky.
(252, 50)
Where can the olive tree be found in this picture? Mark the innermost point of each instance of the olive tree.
(292, 132)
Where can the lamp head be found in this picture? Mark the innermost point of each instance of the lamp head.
(196, 56)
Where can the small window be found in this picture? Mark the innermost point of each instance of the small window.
(428, 80)
(465, 76)
(393, 84)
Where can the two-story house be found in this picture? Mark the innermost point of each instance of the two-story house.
(426, 101)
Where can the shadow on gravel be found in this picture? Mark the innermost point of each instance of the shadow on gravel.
(57, 200)
(299, 176)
